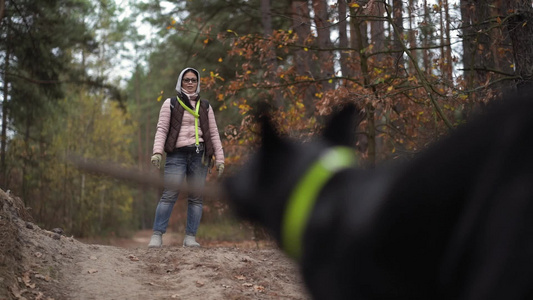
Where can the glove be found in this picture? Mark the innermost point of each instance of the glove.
(156, 160)
(220, 169)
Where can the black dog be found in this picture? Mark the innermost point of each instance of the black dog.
(456, 222)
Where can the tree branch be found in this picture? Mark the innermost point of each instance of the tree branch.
(425, 83)
(114, 91)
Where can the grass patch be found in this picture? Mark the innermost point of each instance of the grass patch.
(225, 230)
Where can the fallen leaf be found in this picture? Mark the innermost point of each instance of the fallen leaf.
(26, 277)
(27, 280)
(46, 278)
(259, 288)
(246, 284)
(16, 292)
(133, 257)
(92, 271)
(39, 296)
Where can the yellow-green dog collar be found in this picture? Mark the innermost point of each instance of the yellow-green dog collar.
(304, 195)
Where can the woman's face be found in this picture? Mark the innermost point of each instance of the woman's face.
(189, 82)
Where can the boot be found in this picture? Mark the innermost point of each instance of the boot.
(190, 241)
(156, 241)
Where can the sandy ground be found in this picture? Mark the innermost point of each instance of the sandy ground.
(40, 264)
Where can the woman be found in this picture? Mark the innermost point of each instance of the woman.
(188, 133)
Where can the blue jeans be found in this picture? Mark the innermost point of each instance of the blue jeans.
(183, 163)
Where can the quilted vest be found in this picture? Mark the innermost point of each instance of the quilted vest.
(176, 117)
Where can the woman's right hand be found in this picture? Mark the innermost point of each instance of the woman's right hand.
(156, 160)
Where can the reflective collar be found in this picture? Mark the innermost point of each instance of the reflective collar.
(304, 195)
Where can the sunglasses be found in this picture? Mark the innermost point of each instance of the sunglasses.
(186, 80)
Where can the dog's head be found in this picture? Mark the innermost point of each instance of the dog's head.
(260, 189)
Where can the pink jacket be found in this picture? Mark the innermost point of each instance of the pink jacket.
(186, 136)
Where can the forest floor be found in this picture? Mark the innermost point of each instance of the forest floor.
(36, 263)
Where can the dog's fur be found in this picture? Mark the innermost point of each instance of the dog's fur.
(456, 222)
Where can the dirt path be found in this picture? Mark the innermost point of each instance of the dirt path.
(52, 266)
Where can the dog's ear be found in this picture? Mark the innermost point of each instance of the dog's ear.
(270, 137)
(340, 129)
(269, 134)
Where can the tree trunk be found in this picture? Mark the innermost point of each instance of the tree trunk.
(521, 32)
(377, 31)
(303, 62)
(149, 134)
(3, 167)
(320, 8)
(26, 160)
(343, 40)
(502, 52)
(266, 18)
(370, 110)
(443, 62)
(425, 40)
(397, 13)
(412, 36)
(476, 42)
(140, 158)
(357, 25)
(272, 64)
(468, 50)
(2, 9)
(449, 62)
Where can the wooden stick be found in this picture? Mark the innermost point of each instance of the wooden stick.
(135, 176)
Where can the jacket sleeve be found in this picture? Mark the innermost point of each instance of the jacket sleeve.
(215, 137)
(163, 124)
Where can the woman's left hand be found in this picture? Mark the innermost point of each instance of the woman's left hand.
(220, 169)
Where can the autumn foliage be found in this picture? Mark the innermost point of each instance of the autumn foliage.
(405, 111)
